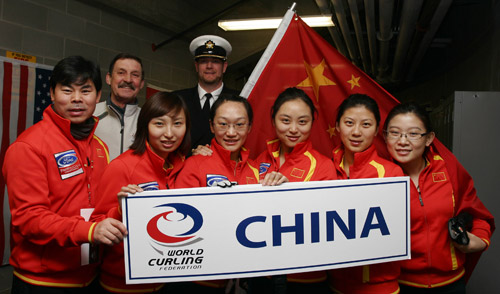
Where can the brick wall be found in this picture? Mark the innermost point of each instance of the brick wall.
(54, 29)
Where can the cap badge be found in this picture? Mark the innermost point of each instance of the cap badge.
(209, 44)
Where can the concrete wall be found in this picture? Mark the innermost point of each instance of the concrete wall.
(54, 29)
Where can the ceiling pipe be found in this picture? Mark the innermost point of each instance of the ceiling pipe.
(434, 25)
(353, 7)
(423, 23)
(409, 15)
(384, 37)
(338, 6)
(371, 33)
(325, 9)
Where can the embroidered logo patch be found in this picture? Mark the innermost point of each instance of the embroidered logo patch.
(100, 153)
(297, 173)
(264, 166)
(68, 163)
(151, 186)
(438, 177)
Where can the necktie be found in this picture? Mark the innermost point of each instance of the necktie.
(206, 106)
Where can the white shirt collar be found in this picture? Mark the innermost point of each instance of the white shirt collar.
(215, 94)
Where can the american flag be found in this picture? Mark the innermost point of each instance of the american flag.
(25, 93)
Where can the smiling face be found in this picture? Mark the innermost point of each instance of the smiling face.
(210, 71)
(125, 81)
(75, 102)
(231, 127)
(357, 128)
(165, 133)
(293, 123)
(401, 149)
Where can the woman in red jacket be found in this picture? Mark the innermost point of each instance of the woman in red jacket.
(437, 262)
(224, 163)
(357, 124)
(293, 155)
(155, 158)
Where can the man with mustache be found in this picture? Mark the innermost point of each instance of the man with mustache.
(118, 114)
(51, 172)
(210, 61)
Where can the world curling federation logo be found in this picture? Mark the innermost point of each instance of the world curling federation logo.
(176, 226)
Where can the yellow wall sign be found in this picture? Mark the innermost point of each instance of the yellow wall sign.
(20, 56)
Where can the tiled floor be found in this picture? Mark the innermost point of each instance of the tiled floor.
(5, 279)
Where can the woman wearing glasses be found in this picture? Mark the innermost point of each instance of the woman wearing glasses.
(225, 165)
(357, 124)
(228, 162)
(436, 265)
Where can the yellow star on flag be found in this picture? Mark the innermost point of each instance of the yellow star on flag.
(316, 78)
(354, 82)
(331, 131)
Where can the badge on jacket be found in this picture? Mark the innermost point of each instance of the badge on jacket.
(68, 163)
(150, 186)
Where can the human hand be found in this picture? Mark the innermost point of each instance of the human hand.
(109, 231)
(202, 150)
(273, 179)
(225, 184)
(124, 191)
(475, 244)
(129, 189)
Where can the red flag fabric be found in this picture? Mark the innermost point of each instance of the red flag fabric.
(303, 59)
(463, 186)
(152, 89)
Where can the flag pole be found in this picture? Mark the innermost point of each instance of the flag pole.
(268, 53)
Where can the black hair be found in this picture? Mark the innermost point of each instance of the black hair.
(125, 56)
(233, 98)
(292, 94)
(356, 100)
(410, 107)
(159, 104)
(75, 70)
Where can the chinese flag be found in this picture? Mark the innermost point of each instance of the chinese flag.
(299, 57)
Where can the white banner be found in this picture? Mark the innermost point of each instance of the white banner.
(251, 230)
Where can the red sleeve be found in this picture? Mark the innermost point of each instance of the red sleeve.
(115, 176)
(30, 206)
(190, 176)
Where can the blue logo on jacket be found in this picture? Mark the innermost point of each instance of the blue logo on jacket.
(151, 186)
(66, 158)
(212, 180)
(264, 166)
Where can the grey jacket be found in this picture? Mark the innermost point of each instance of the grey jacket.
(115, 130)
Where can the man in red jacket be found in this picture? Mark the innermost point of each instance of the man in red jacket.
(51, 172)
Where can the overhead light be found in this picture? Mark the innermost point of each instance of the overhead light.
(271, 23)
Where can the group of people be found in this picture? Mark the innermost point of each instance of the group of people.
(64, 197)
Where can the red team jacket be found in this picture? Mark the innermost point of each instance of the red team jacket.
(303, 164)
(206, 171)
(146, 171)
(434, 260)
(50, 177)
(376, 278)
